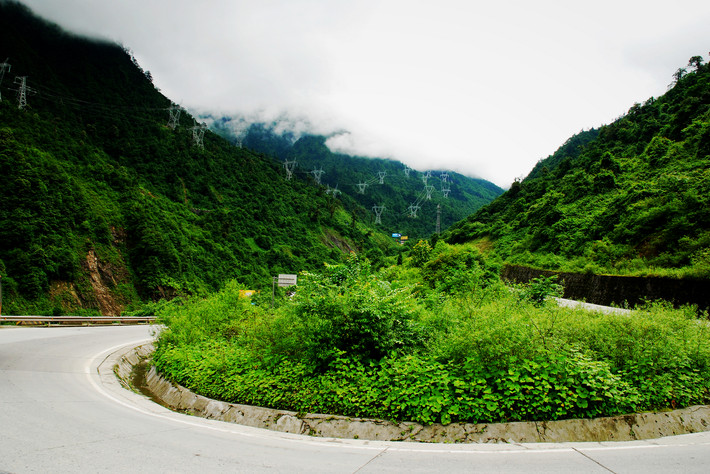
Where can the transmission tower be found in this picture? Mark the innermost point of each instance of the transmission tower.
(445, 189)
(407, 169)
(361, 187)
(438, 219)
(21, 92)
(413, 208)
(317, 173)
(3, 67)
(174, 111)
(334, 191)
(378, 213)
(198, 134)
(289, 166)
(444, 177)
(426, 176)
(381, 175)
(428, 190)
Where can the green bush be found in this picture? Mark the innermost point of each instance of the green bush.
(351, 342)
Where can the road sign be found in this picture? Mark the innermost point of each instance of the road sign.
(286, 279)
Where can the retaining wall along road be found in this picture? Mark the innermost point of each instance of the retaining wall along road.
(619, 290)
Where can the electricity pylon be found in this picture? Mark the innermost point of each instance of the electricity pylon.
(317, 173)
(289, 166)
(361, 187)
(407, 169)
(21, 92)
(378, 210)
(428, 190)
(445, 189)
(438, 219)
(381, 175)
(413, 208)
(198, 134)
(174, 111)
(426, 176)
(3, 67)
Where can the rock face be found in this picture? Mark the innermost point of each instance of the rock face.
(609, 289)
(619, 428)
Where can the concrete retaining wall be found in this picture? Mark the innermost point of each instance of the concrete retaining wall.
(619, 290)
(620, 428)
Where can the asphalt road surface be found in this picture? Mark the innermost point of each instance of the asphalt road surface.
(58, 414)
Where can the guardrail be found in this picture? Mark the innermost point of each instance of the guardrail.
(78, 320)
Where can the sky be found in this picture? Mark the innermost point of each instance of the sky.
(484, 88)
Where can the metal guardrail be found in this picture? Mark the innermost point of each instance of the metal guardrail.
(78, 320)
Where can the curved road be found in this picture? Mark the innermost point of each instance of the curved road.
(57, 414)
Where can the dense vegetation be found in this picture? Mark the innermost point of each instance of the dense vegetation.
(630, 197)
(399, 189)
(437, 339)
(105, 206)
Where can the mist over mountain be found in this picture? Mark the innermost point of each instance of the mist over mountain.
(109, 199)
(412, 200)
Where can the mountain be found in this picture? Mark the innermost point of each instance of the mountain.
(629, 197)
(109, 199)
(410, 208)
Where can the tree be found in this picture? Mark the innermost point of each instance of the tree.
(696, 62)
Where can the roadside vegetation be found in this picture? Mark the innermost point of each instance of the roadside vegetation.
(436, 339)
(629, 198)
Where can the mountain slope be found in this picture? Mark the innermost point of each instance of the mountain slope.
(105, 205)
(633, 196)
(371, 181)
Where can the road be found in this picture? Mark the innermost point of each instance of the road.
(57, 414)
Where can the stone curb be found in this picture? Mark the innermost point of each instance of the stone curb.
(619, 428)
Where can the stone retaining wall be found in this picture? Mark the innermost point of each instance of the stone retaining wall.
(620, 428)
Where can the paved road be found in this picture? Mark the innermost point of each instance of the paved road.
(58, 415)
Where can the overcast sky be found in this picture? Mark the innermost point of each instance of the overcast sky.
(482, 88)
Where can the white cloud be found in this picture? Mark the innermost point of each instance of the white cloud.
(482, 88)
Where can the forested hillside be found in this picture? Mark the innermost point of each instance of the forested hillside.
(107, 204)
(630, 197)
(409, 197)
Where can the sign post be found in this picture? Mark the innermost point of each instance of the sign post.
(283, 280)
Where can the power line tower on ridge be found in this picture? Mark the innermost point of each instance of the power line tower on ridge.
(428, 189)
(174, 111)
(289, 166)
(21, 92)
(198, 134)
(317, 173)
(381, 175)
(407, 170)
(378, 210)
(438, 219)
(426, 176)
(413, 208)
(361, 187)
(3, 68)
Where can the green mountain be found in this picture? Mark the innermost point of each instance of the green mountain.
(410, 208)
(630, 197)
(107, 204)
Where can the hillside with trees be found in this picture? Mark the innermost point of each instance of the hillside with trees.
(109, 199)
(410, 198)
(632, 197)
